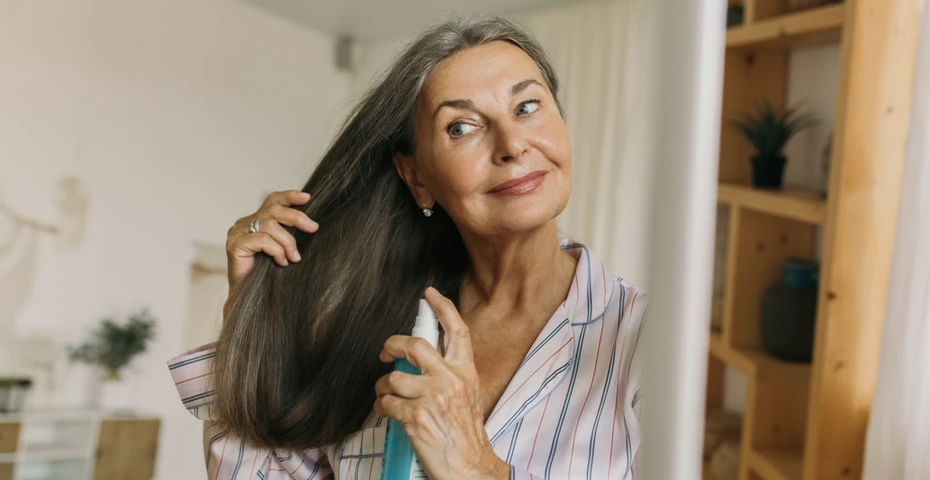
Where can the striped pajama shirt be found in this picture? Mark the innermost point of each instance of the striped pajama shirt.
(569, 412)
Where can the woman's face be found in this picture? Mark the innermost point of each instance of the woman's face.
(492, 148)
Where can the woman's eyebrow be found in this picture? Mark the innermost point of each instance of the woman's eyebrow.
(468, 104)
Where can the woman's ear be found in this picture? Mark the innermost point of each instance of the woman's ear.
(406, 168)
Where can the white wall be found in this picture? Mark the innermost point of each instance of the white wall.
(184, 114)
(813, 76)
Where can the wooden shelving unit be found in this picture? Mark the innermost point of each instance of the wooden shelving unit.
(753, 362)
(783, 464)
(806, 28)
(793, 203)
(808, 421)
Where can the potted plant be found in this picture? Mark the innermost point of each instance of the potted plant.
(768, 131)
(735, 15)
(110, 348)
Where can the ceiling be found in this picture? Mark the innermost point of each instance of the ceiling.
(368, 20)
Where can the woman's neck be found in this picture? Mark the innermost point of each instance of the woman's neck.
(510, 273)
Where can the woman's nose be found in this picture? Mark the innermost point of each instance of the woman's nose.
(511, 143)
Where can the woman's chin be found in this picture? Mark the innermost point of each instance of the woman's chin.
(526, 218)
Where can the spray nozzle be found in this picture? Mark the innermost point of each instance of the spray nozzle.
(427, 325)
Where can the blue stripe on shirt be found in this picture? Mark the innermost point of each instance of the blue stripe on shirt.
(192, 360)
(198, 396)
(543, 343)
(530, 400)
(571, 384)
(606, 391)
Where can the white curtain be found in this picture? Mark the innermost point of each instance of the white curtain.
(898, 438)
(601, 53)
(645, 137)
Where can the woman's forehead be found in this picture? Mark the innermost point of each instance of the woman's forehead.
(494, 67)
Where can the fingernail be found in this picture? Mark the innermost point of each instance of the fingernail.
(432, 292)
(296, 255)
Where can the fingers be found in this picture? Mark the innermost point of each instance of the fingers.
(417, 351)
(272, 238)
(417, 413)
(457, 338)
(286, 198)
(421, 409)
(401, 384)
(272, 228)
(275, 213)
(249, 245)
(290, 217)
(393, 406)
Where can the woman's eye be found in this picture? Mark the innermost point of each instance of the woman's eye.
(459, 129)
(533, 103)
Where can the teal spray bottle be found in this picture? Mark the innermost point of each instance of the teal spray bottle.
(400, 463)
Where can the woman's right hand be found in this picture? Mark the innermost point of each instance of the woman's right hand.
(272, 238)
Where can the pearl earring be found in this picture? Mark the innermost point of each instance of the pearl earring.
(426, 211)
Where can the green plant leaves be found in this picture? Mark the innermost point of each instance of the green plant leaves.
(112, 346)
(769, 130)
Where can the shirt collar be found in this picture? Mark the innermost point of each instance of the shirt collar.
(592, 287)
(550, 358)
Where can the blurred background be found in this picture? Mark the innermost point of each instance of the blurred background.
(789, 280)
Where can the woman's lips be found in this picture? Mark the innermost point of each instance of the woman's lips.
(519, 186)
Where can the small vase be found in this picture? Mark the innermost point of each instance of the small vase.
(768, 172)
(789, 311)
(78, 386)
(115, 393)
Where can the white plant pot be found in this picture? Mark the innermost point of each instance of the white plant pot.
(79, 386)
(115, 395)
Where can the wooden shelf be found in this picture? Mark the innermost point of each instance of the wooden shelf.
(777, 464)
(755, 363)
(804, 205)
(52, 455)
(816, 26)
(786, 406)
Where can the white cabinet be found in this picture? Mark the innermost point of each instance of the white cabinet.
(76, 445)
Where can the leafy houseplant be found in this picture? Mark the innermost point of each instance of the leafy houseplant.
(768, 131)
(112, 346)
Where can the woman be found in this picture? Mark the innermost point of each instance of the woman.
(449, 174)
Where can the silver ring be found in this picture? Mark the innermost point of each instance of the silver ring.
(253, 227)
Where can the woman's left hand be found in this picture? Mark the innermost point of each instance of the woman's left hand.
(440, 409)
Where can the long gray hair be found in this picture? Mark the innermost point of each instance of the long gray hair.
(297, 357)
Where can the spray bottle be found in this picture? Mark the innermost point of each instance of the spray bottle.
(400, 463)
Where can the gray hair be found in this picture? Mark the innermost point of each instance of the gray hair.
(297, 356)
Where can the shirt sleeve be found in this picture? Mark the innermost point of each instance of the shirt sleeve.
(229, 457)
(192, 373)
(634, 406)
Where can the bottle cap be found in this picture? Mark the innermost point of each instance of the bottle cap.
(427, 325)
